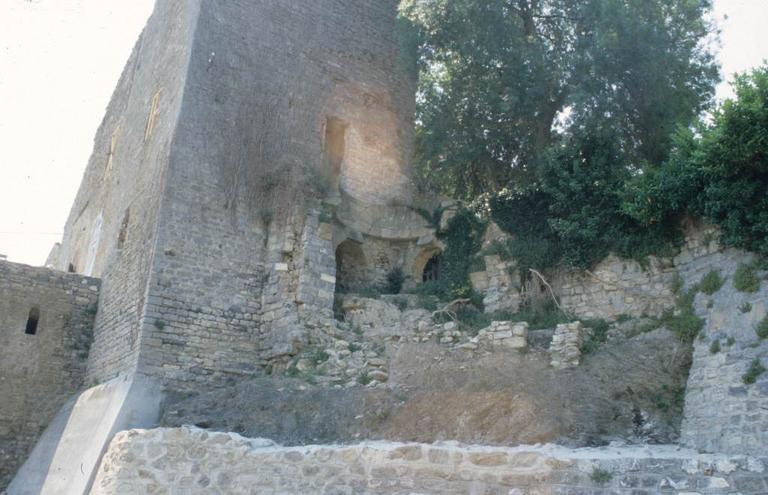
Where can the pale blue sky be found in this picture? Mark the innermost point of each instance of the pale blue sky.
(59, 62)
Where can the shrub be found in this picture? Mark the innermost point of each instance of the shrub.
(601, 476)
(762, 329)
(745, 279)
(717, 172)
(714, 348)
(319, 357)
(160, 324)
(753, 372)
(599, 335)
(364, 379)
(546, 316)
(401, 303)
(394, 282)
(746, 307)
(711, 283)
(730, 341)
(686, 325)
(677, 284)
(472, 319)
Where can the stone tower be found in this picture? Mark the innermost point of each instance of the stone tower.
(248, 145)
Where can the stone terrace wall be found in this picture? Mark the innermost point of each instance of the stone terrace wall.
(197, 462)
(722, 414)
(39, 372)
(618, 287)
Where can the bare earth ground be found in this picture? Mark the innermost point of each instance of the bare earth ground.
(628, 390)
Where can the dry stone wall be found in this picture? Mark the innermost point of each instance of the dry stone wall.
(39, 372)
(193, 461)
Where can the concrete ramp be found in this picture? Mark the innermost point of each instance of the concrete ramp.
(67, 457)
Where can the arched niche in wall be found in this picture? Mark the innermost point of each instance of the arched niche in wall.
(351, 267)
(427, 266)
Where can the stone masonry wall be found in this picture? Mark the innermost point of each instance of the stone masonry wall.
(112, 228)
(193, 461)
(722, 413)
(229, 246)
(40, 372)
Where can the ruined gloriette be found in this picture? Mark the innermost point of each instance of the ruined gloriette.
(250, 182)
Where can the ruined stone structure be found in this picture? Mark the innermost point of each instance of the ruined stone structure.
(46, 325)
(250, 148)
(253, 166)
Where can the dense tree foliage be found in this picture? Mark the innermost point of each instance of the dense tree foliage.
(504, 82)
(719, 172)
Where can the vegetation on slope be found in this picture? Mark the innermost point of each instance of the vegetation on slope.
(575, 125)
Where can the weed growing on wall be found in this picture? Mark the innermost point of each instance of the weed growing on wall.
(762, 329)
(601, 476)
(711, 283)
(753, 372)
(745, 278)
(714, 347)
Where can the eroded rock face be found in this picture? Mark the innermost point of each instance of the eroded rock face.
(192, 461)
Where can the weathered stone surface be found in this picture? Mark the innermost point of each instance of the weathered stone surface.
(194, 462)
(39, 372)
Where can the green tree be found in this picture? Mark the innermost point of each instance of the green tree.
(719, 173)
(501, 80)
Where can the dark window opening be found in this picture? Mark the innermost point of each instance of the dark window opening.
(71, 268)
(335, 147)
(432, 269)
(124, 229)
(32, 321)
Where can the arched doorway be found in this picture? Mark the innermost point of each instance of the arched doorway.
(351, 267)
(431, 272)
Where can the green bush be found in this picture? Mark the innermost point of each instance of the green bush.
(540, 318)
(745, 278)
(601, 476)
(711, 283)
(714, 348)
(394, 281)
(599, 335)
(730, 341)
(718, 172)
(762, 329)
(753, 372)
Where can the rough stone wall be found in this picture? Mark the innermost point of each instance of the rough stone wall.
(723, 414)
(111, 230)
(39, 372)
(197, 462)
(618, 287)
(235, 235)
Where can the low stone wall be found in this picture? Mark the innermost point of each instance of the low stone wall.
(192, 461)
(41, 367)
